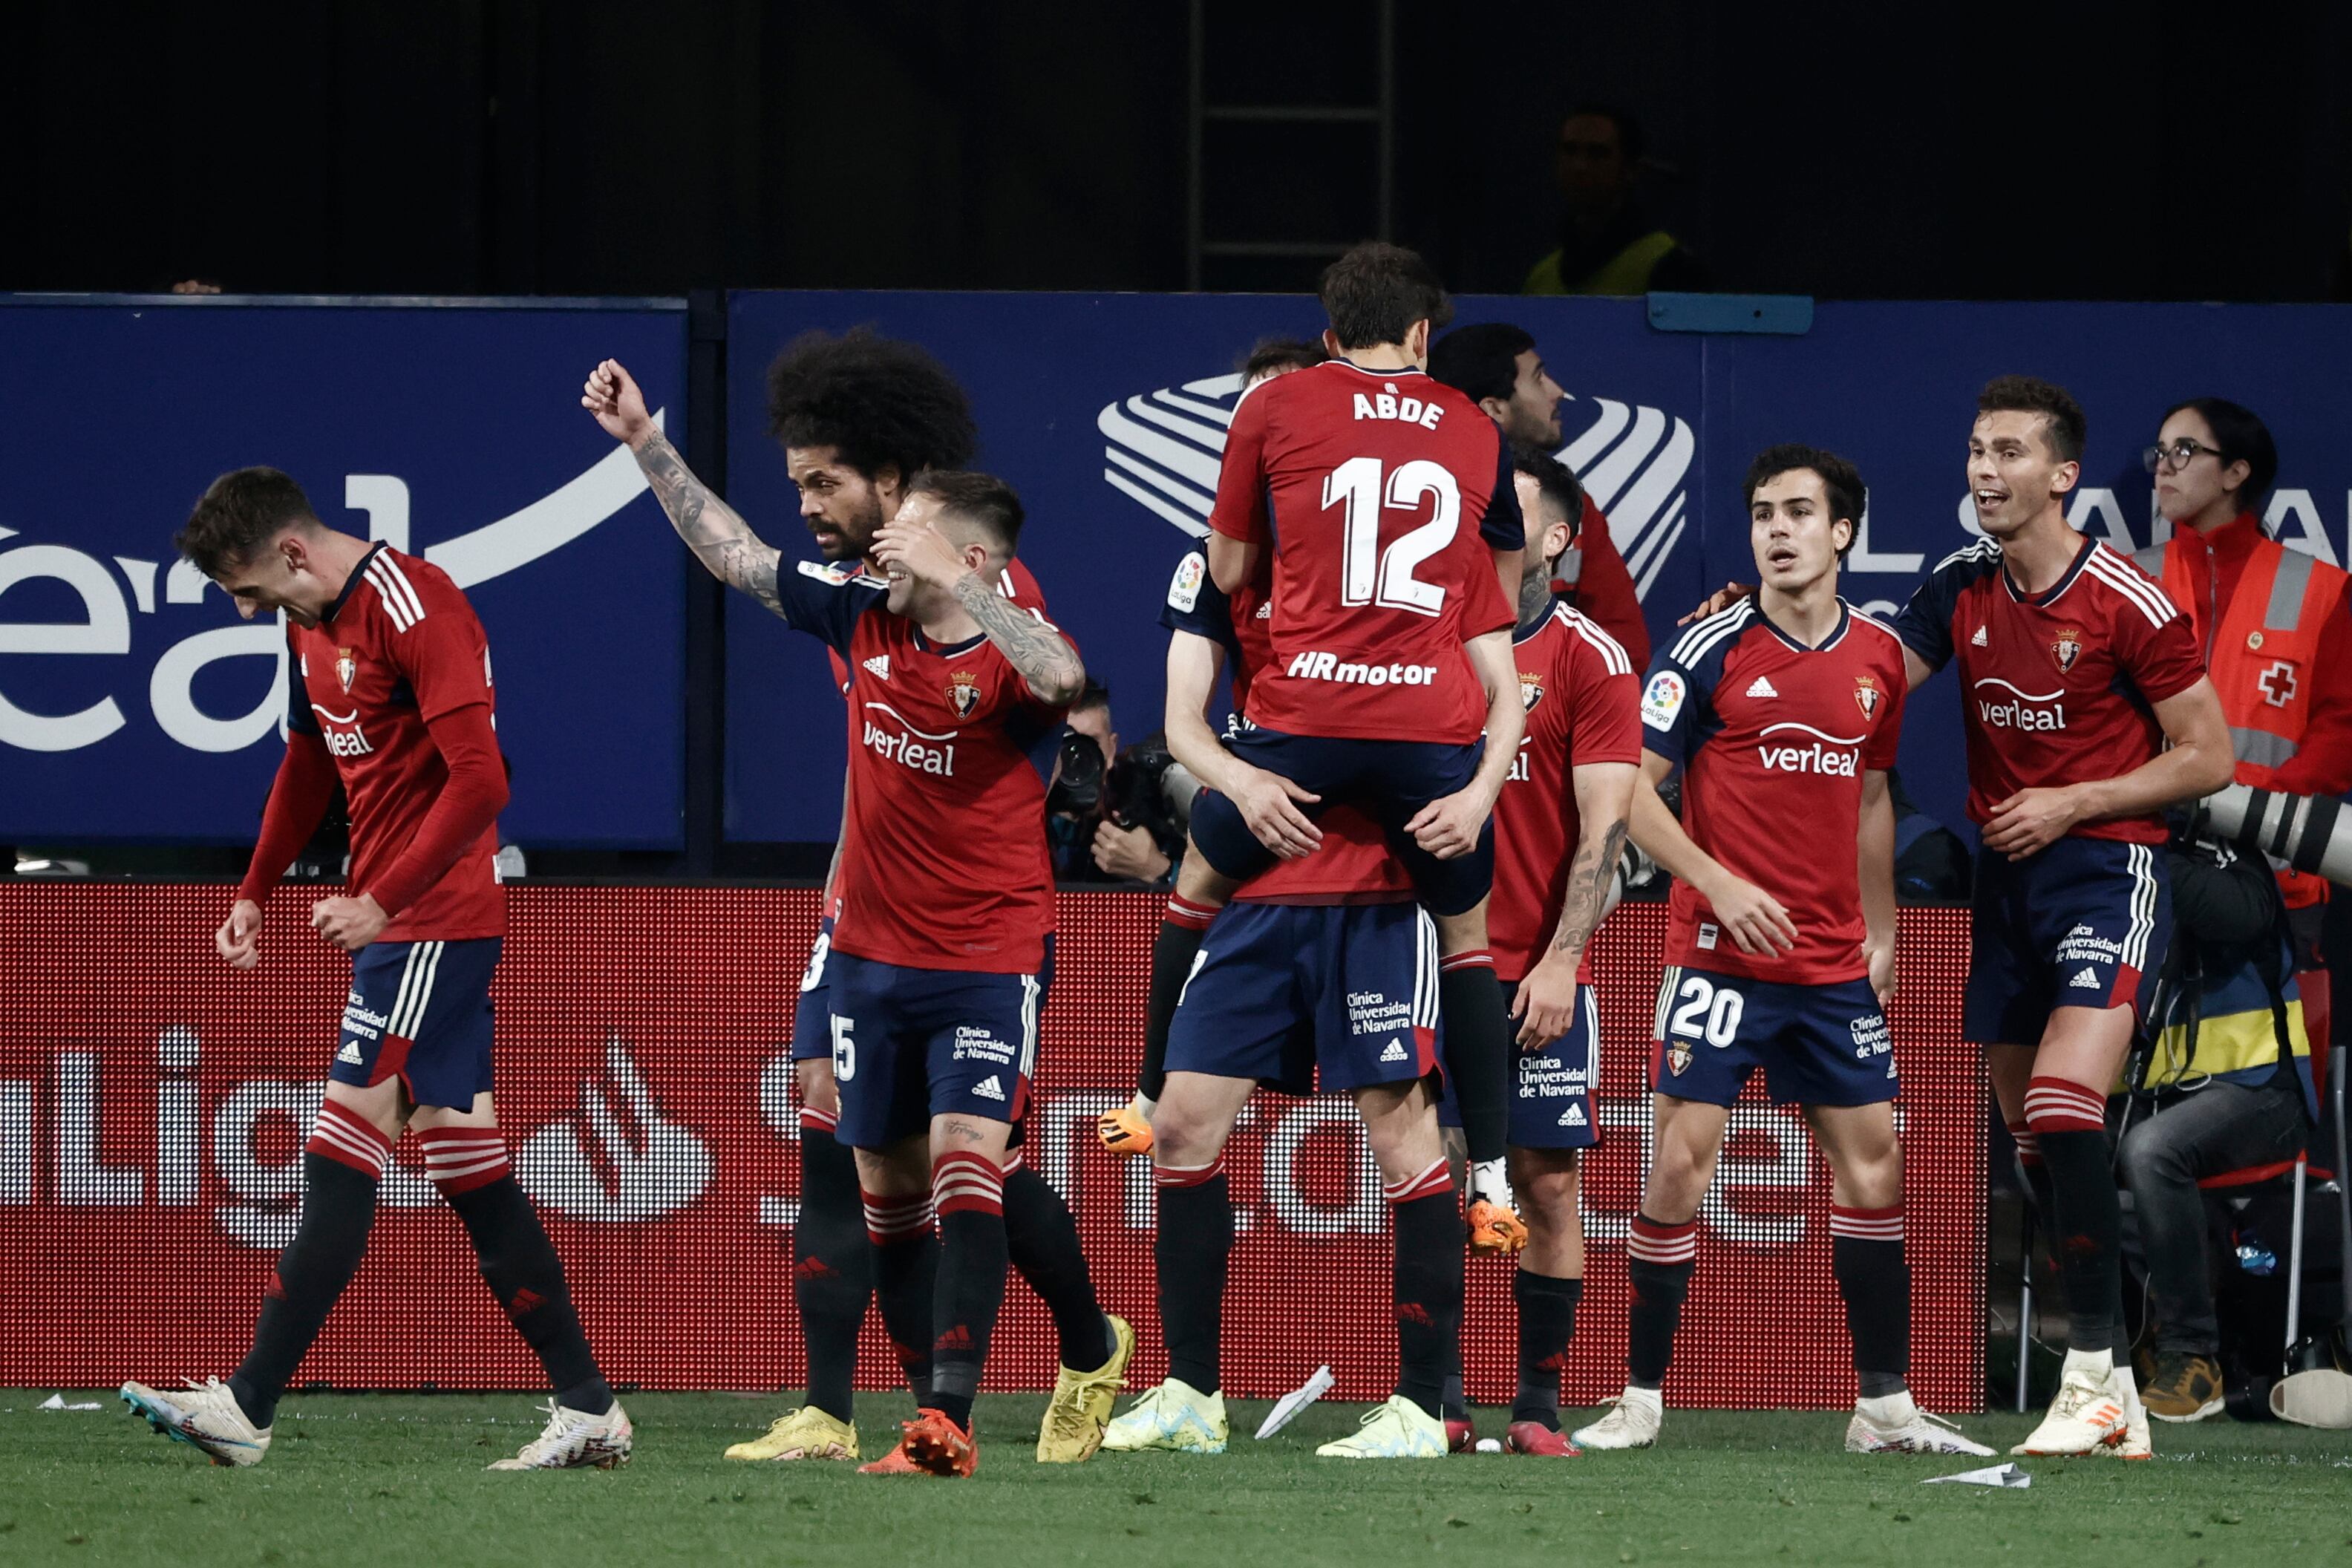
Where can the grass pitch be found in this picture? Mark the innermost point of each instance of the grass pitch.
(392, 1478)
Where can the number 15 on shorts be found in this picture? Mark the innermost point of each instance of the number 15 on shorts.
(844, 1050)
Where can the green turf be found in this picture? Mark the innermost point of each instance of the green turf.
(358, 1481)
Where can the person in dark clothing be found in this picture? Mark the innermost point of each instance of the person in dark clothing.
(1608, 245)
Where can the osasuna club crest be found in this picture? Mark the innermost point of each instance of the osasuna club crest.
(1530, 690)
(346, 666)
(1866, 695)
(2066, 647)
(963, 693)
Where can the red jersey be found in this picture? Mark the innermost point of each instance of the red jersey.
(1354, 865)
(1380, 496)
(399, 647)
(944, 863)
(1015, 585)
(1773, 738)
(1583, 702)
(2057, 687)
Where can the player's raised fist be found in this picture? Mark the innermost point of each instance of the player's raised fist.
(613, 396)
(239, 937)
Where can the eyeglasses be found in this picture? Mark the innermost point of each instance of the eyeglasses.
(2178, 456)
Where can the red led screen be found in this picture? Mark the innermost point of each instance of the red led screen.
(153, 1104)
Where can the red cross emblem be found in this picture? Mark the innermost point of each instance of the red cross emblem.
(2277, 683)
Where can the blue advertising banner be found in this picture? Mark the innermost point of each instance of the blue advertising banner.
(1108, 413)
(134, 702)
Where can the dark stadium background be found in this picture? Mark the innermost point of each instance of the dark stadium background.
(2154, 151)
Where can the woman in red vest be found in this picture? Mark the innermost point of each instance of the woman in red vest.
(2226, 1095)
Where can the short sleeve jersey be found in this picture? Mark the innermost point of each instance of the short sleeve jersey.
(1353, 864)
(1773, 738)
(399, 647)
(1583, 702)
(1382, 496)
(2056, 688)
(944, 862)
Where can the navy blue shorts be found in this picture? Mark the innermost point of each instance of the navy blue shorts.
(812, 1013)
(2085, 923)
(911, 1044)
(1389, 780)
(420, 1011)
(1293, 993)
(1818, 1045)
(1552, 1087)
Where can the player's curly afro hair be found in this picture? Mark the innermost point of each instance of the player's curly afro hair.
(878, 402)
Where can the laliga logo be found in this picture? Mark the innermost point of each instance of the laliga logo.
(1164, 447)
(616, 1158)
(112, 588)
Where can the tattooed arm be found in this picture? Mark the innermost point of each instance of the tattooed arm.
(1042, 655)
(1545, 1002)
(719, 539)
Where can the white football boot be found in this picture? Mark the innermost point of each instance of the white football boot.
(1631, 1423)
(2134, 1444)
(1174, 1415)
(1893, 1423)
(575, 1441)
(2089, 1415)
(1394, 1429)
(205, 1415)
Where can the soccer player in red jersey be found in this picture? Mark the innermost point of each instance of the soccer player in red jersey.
(389, 691)
(2087, 711)
(1499, 366)
(862, 418)
(1386, 502)
(1559, 827)
(1784, 708)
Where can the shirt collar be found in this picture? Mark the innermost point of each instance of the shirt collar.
(350, 583)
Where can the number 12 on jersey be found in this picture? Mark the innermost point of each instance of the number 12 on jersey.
(1369, 574)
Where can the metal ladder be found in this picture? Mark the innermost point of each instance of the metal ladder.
(1379, 118)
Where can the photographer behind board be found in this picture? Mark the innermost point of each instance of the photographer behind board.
(1113, 815)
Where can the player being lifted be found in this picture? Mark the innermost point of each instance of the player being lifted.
(841, 406)
(1559, 827)
(389, 689)
(1783, 708)
(1322, 963)
(2087, 712)
(1386, 502)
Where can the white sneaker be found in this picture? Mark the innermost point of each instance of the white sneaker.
(1631, 1423)
(204, 1415)
(2088, 1414)
(575, 1441)
(2134, 1445)
(1395, 1429)
(1176, 1417)
(1893, 1423)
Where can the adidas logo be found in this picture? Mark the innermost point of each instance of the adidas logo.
(1395, 1053)
(350, 1053)
(1760, 687)
(1977, 640)
(955, 1338)
(1572, 1117)
(879, 666)
(989, 1087)
(526, 1300)
(2087, 979)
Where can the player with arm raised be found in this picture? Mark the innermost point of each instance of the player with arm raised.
(1784, 709)
(861, 419)
(2087, 712)
(1385, 500)
(389, 689)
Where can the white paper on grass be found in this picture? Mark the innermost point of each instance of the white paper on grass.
(1990, 1476)
(57, 1402)
(1297, 1399)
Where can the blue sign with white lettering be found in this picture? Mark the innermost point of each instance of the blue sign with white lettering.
(134, 703)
